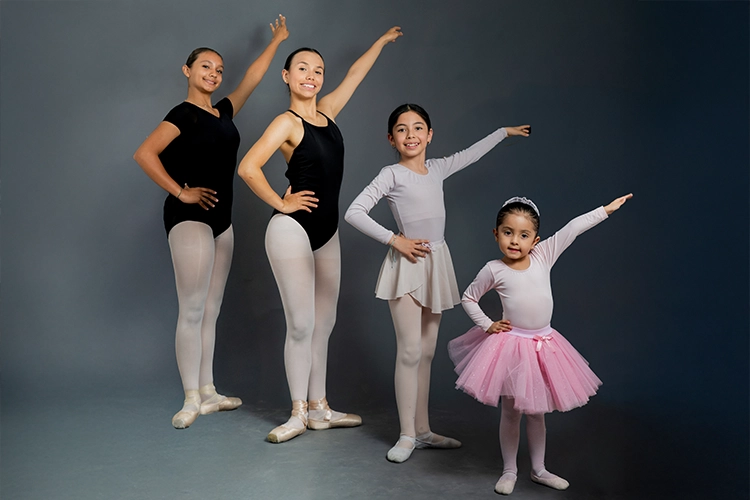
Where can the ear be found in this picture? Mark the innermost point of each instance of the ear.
(185, 70)
(495, 234)
(390, 139)
(536, 240)
(429, 136)
(285, 76)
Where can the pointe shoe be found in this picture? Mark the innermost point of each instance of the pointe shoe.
(217, 402)
(399, 455)
(427, 440)
(283, 433)
(506, 483)
(554, 482)
(184, 418)
(348, 420)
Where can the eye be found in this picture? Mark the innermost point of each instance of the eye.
(506, 233)
(319, 72)
(524, 236)
(205, 66)
(221, 71)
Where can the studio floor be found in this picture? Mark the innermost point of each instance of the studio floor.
(122, 446)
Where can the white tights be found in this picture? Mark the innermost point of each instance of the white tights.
(416, 337)
(308, 283)
(510, 430)
(201, 267)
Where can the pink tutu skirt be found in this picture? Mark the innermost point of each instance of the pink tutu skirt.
(539, 369)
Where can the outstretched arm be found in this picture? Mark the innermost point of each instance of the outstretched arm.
(332, 104)
(250, 169)
(258, 68)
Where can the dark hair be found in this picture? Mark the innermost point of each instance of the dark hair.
(405, 108)
(288, 63)
(521, 209)
(194, 55)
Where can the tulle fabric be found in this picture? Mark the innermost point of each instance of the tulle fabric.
(539, 369)
(431, 280)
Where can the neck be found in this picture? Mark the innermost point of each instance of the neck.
(199, 98)
(517, 264)
(415, 163)
(306, 108)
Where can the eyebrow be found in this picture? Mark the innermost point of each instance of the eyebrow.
(404, 125)
(211, 62)
(308, 64)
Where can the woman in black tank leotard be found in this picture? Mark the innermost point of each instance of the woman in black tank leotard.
(302, 240)
(192, 155)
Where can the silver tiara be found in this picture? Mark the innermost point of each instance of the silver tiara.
(525, 201)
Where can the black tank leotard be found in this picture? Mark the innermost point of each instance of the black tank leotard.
(317, 164)
(203, 155)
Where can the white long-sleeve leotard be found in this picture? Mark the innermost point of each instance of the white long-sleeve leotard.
(526, 295)
(416, 201)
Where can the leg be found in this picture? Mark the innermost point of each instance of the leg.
(425, 437)
(292, 262)
(536, 431)
(510, 429)
(407, 321)
(210, 400)
(327, 282)
(192, 247)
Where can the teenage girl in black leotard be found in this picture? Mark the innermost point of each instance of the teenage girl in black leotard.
(302, 238)
(196, 145)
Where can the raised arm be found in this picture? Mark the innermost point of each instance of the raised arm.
(332, 104)
(250, 169)
(462, 159)
(147, 156)
(258, 68)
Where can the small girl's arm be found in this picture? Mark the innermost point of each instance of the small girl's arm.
(484, 282)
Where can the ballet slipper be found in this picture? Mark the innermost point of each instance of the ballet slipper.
(399, 455)
(216, 402)
(430, 440)
(347, 420)
(548, 479)
(187, 415)
(283, 432)
(506, 483)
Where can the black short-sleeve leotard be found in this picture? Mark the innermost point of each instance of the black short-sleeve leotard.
(203, 155)
(317, 164)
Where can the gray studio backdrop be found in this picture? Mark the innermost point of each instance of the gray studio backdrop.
(642, 97)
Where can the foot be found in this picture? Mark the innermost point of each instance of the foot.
(548, 479)
(211, 401)
(189, 412)
(321, 416)
(432, 440)
(296, 425)
(506, 483)
(402, 450)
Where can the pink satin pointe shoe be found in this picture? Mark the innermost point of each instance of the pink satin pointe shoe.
(328, 422)
(189, 412)
(217, 402)
(283, 432)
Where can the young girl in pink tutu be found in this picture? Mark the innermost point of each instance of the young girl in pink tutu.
(520, 357)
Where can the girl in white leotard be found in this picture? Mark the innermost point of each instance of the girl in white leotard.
(417, 275)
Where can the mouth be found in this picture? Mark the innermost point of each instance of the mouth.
(309, 86)
(411, 145)
(210, 82)
(513, 250)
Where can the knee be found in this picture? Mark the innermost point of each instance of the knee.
(409, 355)
(298, 330)
(212, 309)
(511, 415)
(191, 314)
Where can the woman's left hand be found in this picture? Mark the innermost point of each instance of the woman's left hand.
(522, 130)
(280, 32)
(392, 34)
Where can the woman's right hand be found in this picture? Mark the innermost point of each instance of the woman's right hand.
(202, 196)
(302, 200)
(500, 326)
(411, 249)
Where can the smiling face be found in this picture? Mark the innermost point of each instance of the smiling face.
(410, 135)
(516, 235)
(305, 74)
(206, 72)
